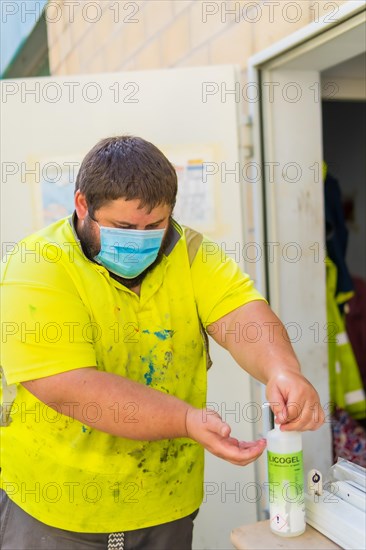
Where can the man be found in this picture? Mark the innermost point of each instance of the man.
(105, 439)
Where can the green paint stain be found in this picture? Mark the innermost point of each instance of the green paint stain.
(148, 375)
(161, 334)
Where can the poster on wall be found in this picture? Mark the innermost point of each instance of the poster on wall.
(57, 185)
(197, 198)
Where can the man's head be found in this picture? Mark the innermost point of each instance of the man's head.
(124, 182)
(129, 168)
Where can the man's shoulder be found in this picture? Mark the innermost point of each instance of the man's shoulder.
(55, 232)
(53, 245)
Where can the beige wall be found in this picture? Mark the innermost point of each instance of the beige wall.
(152, 34)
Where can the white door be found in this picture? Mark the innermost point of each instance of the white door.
(48, 126)
(295, 228)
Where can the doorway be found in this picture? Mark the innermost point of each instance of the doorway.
(293, 77)
(344, 145)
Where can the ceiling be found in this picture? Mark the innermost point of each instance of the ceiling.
(352, 68)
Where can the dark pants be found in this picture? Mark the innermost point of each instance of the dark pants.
(20, 531)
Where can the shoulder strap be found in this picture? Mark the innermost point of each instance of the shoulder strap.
(194, 240)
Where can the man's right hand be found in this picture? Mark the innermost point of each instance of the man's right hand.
(207, 428)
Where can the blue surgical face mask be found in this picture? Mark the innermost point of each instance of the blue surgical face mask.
(128, 252)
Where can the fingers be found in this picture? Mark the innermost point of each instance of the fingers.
(249, 452)
(308, 417)
(247, 445)
(294, 402)
(290, 412)
(311, 417)
(277, 403)
(239, 452)
(207, 428)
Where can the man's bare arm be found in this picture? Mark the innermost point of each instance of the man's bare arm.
(157, 415)
(259, 343)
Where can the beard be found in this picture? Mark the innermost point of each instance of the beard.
(91, 249)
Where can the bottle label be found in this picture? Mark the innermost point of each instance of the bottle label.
(286, 492)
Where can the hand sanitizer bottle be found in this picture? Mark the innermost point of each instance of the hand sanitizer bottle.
(286, 482)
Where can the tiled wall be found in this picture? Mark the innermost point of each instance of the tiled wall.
(112, 35)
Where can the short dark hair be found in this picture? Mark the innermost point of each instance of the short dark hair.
(126, 167)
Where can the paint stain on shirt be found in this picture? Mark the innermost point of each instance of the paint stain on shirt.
(138, 453)
(164, 334)
(148, 375)
(168, 357)
(161, 334)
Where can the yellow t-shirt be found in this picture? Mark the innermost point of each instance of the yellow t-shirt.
(60, 312)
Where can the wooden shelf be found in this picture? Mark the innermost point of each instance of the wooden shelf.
(259, 536)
